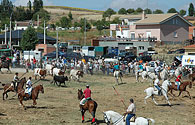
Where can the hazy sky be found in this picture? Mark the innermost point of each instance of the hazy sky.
(116, 4)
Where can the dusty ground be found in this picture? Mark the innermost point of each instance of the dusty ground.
(59, 105)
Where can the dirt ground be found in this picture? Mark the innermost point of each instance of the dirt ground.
(59, 105)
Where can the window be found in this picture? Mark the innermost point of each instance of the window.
(141, 47)
(133, 35)
(175, 34)
(173, 21)
(176, 21)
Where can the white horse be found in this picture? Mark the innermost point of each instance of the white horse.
(117, 75)
(164, 89)
(178, 71)
(117, 119)
(164, 75)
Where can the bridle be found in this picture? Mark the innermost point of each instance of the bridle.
(115, 122)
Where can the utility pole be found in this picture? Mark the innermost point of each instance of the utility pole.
(6, 34)
(38, 20)
(85, 34)
(57, 44)
(44, 33)
(10, 33)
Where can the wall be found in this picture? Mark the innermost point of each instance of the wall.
(191, 30)
(46, 47)
(190, 51)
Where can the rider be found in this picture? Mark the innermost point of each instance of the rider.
(87, 97)
(157, 85)
(15, 80)
(178, 80)
(116, 67)
(29, 86)
(130, 111)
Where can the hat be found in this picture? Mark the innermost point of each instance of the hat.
(87, 85)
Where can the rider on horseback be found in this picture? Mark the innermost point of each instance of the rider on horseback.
(130, 111)
(116, 67)
(157, 85)
(29, 86)
(87, 93)
(15, 80)
(178, 80)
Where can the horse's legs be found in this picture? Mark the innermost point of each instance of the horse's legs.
(6, 95)
(34, 101)
(179, 93)
(154, 100)
(82, 113)
(21, 99)
(117, 81)
(146, 99)
(121, 79)
(166, 97)
(172, 92)
(3, 95)
(188, 94)
(93, 114)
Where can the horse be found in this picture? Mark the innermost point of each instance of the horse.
(145, 75)
(182, 87)
(33, 96)
(90, 105)
(178, 71)
(5, 65)
(164, 74)
(117, 119)
(151, 92)
(10, 88)
(117, 75)
(192, 77)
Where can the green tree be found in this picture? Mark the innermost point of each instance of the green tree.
(157, 11)
(29, 39)
(108, 13)
(37, 5)
(172, 10)
(83, 22)
(148, 11)
(20, 14)
(29, 6)
(182, 12)
(122, 11)
(43, 15)
(191, 10)
(6, 9)
(70, 15)
(116, 20)
(99, 26)
(139, 10)
(130, 10)
(65, 22)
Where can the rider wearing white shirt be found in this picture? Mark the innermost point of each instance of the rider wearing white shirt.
(130, 111)
(29, 86)
(157, 84)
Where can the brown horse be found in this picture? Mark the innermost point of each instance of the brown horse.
(89, 105)
(33, 96)
(182, 87)
(192, 77)
(5, 64)
(10, 88)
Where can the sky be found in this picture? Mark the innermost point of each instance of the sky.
(116, 4)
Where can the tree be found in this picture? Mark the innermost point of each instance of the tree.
(139, 10)
(65, 22)
(43, 15)
(29, 39)
(83, 22)
(148, 11)
(191, 10)
(99, 26)
(122, 11)
(182, 12)
(130, 10)
(6, 9)
(108, 13)
(157, 11)
(29, 6)
(37, 5)
(70, 15)
(172, 10)
(20, 14)
(116, 20)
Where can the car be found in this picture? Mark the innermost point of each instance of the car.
(144, 58)
(110, 55)
(180, 51)
(127, 56)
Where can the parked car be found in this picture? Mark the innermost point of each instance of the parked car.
(144, 58)
(180, 51)
(110, 55)
(127, 56)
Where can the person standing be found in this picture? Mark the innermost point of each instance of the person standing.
(130, 111)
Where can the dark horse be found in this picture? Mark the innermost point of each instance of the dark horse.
(192, 77)
(5, 64)
(182, 87)
(33, 96)
(10, 88)
(89, 105)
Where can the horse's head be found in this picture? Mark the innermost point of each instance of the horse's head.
(106, 118)
(80, 73)
(40, 87)
(80, 94)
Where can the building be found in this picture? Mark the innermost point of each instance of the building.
(166, 28)
(192, 33)
(45, 48)
(190, 50)
(23, 25)
(16, 37)
(191, 19)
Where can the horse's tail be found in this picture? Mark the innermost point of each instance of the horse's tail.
(152, 121)
(95, 106)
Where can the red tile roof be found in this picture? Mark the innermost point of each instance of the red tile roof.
(190, 46)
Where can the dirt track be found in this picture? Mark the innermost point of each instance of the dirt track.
(59, 105)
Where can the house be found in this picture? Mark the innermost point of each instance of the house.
(45, 48)
(190, 50)
(166, 28)
(16, 37)
(191, 19)
(192, 33)
(23, 25)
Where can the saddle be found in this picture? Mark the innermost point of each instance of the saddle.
(131, 120)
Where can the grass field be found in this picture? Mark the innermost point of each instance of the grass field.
(59, 105)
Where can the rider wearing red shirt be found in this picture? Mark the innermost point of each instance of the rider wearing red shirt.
(87, 93)
(178, 80)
